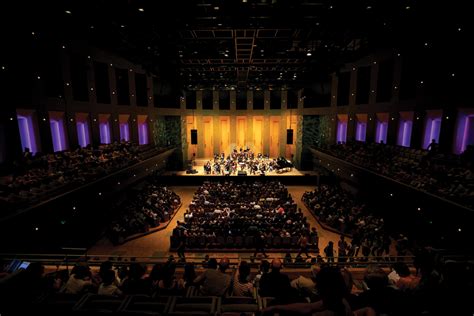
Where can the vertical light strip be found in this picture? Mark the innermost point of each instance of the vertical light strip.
(55, 135)
(24, 133)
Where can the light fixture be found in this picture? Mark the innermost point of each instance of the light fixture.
(308, 54)
(36, 228)
(3, 67)
(459, 229)
(67, 84)
(64, 47)
(141, 9)
(74, 208)
(216, 8)
(39, 77)
(122, 26)
(419, 209)
(33, 33)
(68, 12)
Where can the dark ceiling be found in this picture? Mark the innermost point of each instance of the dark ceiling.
(262, 44)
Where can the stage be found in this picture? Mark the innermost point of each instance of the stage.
(199, 171)
(183, 177)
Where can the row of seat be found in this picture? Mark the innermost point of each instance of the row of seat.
(93, 304)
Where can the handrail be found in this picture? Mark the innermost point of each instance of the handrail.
(318, 151)
(96, 260)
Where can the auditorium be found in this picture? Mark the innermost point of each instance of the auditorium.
(237, 157)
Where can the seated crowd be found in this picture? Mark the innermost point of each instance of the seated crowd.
(232, 215)
(152, 205)
(449, 176)
(434, 287)
(34, 177)
(337, 209)
(245, 160)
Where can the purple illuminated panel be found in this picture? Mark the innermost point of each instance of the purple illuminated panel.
(432, 130)
(83, 134)
(341, 131)
(465, 132)
(143, 133)
(104, 130)
(361, 129)
(27, 133)
(381, 132)
(124, 132)
(58, 134)
(404, 133)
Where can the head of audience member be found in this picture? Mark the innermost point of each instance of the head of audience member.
(244, 271)
(224, 264)
(189, 272)
(212, 264)
(276, 265)
(315, 268)
(401, 269)
(332, 288)
(265, 266)
(105, 266)
(108, 277)
(348, 280)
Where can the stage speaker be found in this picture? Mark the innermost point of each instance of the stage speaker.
(194, 137)
(289, 136)
(242, 173)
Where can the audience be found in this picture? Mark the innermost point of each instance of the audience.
(441, 288)
(146, 209)
(39, 176)
(225, 214)
(214, 281)
(339, 210)
(446, 175)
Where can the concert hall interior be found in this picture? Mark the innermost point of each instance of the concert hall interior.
(236, 157)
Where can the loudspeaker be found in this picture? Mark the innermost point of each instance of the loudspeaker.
(289, 136)
(194, 137)
(242, 173)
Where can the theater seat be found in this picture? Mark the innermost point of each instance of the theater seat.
(238, 304)
(146, 305)
(198, 305)
(98, 304)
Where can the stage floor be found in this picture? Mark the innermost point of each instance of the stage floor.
(199, 167)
